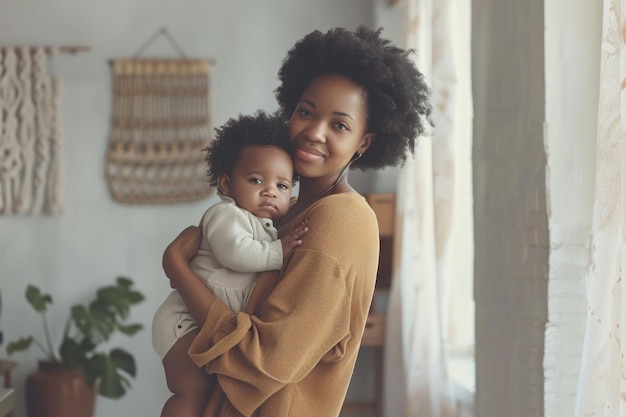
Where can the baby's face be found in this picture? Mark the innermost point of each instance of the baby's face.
(261, 181)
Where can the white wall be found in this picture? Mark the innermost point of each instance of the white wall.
(97, 239)
(572, 61)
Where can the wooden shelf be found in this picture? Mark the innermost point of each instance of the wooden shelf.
(353, 407)
(6, 367)
(7, 395)
(374, 338)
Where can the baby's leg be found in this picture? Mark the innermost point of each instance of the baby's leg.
(189, 384)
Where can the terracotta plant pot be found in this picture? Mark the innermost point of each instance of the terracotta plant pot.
(53, 391)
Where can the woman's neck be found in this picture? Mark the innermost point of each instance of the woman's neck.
(309, 188)
(313, 189)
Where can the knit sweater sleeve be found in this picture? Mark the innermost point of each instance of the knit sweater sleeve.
(303, 322)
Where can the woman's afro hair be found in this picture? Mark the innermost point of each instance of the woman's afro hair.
(398, 98)
(259, 129)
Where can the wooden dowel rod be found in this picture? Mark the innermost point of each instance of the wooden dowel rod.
(63, 49)
(209, 60)
(74, 49)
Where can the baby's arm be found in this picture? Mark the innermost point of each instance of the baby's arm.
(231, 236)
(292, 239)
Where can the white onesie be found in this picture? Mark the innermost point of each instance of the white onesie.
(236, 245)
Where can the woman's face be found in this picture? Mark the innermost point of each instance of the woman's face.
(329, 126)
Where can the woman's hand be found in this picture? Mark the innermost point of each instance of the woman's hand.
(180, 251)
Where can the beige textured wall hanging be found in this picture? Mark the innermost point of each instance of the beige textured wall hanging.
(160, 126)
(30, 134)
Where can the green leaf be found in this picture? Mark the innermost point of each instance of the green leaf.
(130, 329)
(74, 355)
(81, 318)
(111, 383)
(71, 355)
(124, 361)
(94, 368)
(124, 286)
(114, 299)
(124, 282)
(135, 297)
(36, 299)
(19, 345)
(111, 372)
(97, 324)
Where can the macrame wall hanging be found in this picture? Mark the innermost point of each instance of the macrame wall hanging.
(30, 132)
(159, 127)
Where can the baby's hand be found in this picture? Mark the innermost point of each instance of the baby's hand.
(292, 239)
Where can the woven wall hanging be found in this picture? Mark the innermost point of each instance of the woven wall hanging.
(30, 138)
(160, 126)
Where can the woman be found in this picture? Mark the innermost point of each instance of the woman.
(352, 100)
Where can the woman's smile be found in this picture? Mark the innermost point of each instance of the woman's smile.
(307, 153)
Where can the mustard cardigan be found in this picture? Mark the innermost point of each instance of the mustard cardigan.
(295, 356)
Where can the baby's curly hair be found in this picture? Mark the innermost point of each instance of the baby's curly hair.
(398, 98)
(260, 129)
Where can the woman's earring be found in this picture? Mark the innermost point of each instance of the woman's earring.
(358, 156)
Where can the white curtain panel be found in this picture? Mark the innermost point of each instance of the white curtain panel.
(602, 378)
(429, 231)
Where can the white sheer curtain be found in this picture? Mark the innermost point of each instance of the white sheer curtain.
(602, 378)
(433, 250)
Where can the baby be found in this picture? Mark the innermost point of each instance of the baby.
(250, 164)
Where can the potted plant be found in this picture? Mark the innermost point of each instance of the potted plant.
(78, 358)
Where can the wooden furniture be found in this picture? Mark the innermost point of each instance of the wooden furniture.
(373, 337)
(374, 334)
(6, 367)
(7, 394)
